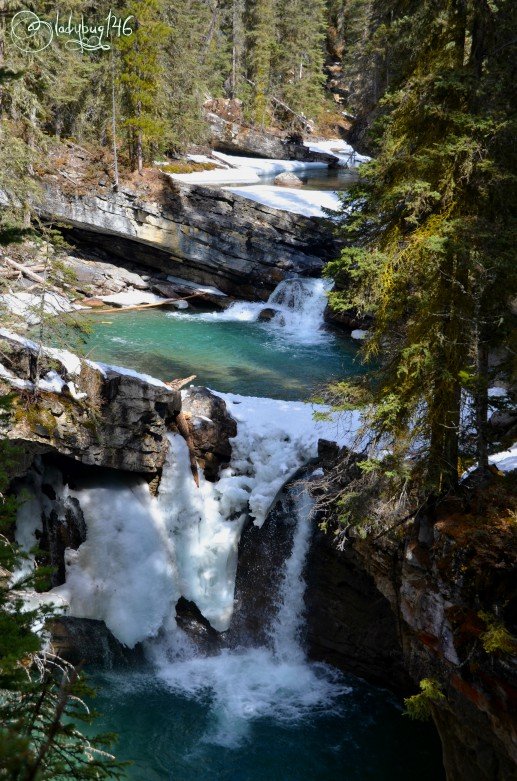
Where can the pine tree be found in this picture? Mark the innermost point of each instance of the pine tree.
(430, 243)
(299, 60)
(142, 76)
(262, 41)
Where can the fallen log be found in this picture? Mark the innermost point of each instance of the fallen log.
(163, 302)
(31, 275)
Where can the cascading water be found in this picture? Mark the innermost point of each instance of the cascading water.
(246, 684)
(298, 305)
(243, 713)
(287, 626)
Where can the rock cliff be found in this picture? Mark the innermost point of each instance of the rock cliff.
(204, 234)
(96, 414)
(404, 607)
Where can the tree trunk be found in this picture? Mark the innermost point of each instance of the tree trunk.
(139, 145)
(443, 453)
(481, 403)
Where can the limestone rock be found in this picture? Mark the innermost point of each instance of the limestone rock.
(288, 179)
(211, 428)
(114, 418)
(206, 235)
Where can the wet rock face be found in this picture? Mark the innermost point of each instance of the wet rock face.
(203, 234)
(211, 428)
(84, 640)
(350, 623)
(398, 609)
(112, 419)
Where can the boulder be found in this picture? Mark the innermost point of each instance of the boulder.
(288, 179)
(211, 428)
(266, 315)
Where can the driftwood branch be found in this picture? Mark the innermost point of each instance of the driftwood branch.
(31, 275)
(163, 302)
(184, 430)
(178, 384)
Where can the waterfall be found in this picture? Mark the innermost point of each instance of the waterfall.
(300, 304)
(275, 680)
(287, 626)
(296, 308)
(143, 552)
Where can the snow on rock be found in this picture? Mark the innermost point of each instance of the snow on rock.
(309, 203)
(244, 170)
(132, 298)
(266, 167)
(28, 305)
(346, 154)
(195, 287)
(497, 392)
(274, 440)
(107, 368)
(219, 176)
(506, 461)
(359, 334)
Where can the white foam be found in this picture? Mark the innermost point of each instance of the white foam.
(299, 306)
(245, 685)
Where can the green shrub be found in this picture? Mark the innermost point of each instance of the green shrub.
(418, 707)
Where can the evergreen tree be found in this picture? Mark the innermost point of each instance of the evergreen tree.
(431, 240)
(142, 75)
(298, 66)
(262, 42)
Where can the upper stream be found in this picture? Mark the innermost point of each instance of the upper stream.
(289, 358)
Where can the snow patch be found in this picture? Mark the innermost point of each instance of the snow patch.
(506, 461)
(346, 154)
(309, 203)
(29, 306)
(132, 298)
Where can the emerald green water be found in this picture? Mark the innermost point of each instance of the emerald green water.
(362, 737)
(249, 358)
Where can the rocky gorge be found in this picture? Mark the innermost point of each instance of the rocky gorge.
(165, 507)
(393, 610)
(207, 235)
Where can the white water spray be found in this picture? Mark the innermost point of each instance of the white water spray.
(273, 682)
(298, 305)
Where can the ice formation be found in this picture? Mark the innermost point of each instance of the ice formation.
(143, 552)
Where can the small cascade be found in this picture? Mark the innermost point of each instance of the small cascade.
(287, 627)
(300, 304)
(295, 309)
